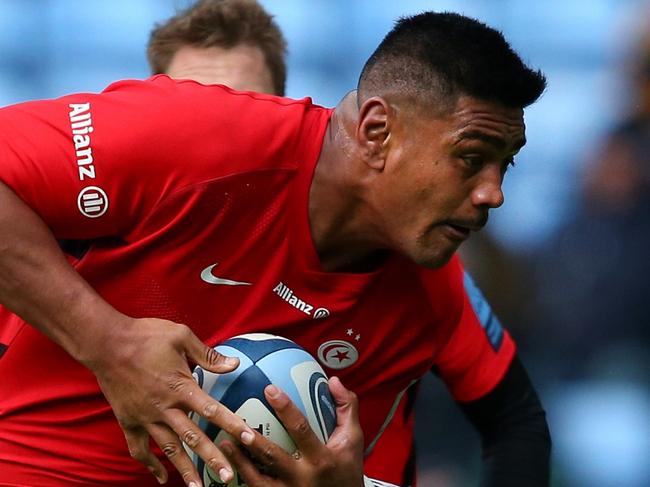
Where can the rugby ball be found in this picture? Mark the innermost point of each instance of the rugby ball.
(265, 359)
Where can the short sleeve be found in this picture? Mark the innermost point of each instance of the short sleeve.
(95, 165)
(479, 350)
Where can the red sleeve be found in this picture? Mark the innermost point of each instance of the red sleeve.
(95, 165)
(479, 350)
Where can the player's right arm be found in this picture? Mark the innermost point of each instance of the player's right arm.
(141, 364)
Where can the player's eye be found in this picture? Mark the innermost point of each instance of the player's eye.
(473, 161)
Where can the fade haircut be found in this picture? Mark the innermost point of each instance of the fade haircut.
(221, 23)
(433, 58)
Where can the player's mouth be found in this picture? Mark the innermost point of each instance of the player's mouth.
(460, 230)
(455, 232)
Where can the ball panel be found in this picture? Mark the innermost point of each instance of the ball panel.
(258, 349)
(302, 385)
(276, 367)
(262, 336)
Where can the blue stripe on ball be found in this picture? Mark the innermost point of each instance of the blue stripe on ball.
(250, 384)
(322, 403)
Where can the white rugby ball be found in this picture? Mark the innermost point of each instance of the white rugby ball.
(265, 359)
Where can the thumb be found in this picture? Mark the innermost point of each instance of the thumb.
(347, 405)
(207, 357)
(348, 431)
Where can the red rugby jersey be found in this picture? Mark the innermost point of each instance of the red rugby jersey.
(181, 186)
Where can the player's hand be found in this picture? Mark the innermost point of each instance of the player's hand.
(338, 463)
(145, 376)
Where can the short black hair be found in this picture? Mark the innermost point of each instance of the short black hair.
(437, 57)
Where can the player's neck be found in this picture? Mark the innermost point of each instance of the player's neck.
(338, 220)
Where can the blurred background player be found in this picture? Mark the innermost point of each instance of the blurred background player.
(231, 42)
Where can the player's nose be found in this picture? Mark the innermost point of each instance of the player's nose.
(488, 192)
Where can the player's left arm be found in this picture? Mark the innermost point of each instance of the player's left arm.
(479, 365)
(515, 439)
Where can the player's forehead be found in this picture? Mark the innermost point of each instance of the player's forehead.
(473, 119)
(242, 67)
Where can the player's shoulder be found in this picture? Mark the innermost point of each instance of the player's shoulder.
(164, 85)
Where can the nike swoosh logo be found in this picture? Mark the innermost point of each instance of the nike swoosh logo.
(207, 276)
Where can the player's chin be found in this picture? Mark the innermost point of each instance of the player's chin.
(433, 248)
(433, 255)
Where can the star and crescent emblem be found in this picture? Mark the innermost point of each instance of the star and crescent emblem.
(337, 354)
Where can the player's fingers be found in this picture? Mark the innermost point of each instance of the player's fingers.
(199, 401)
(270, 457)
(207, 357)
(294, 422)
(137, 439)
(247, 472)
(188, 431)
(174, 451)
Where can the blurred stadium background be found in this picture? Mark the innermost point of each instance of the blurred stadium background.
(564, 262)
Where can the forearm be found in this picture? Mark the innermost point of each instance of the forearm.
(38, 284)
(518, 457)
(515, 438)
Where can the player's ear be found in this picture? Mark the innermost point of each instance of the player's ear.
(374, 130)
